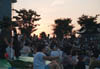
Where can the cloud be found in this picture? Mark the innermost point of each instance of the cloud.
(57, 2)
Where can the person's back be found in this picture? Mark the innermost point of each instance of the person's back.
(39, 62)
(57, 52)
(54, 53)
(25, 51)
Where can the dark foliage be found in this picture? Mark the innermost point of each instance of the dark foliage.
(62, 27)
(25, 21)
(89, 24)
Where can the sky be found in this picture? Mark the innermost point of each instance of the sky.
(54, 9)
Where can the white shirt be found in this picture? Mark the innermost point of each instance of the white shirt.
(57, 53)
(39, 62)
(25, 51)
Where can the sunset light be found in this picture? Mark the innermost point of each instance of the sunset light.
(53, 9)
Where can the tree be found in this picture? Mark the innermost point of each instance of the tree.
(62, 27)
(89, 24)
(25, 21)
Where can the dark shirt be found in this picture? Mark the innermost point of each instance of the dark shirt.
(80, 65)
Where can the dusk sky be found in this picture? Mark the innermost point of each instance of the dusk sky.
(53, 9)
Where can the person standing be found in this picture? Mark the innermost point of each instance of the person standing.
(16, 46)
(10, 51)
(40, 58)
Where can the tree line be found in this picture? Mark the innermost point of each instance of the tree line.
(25, 21)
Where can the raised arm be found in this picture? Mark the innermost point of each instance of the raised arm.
(50, 58)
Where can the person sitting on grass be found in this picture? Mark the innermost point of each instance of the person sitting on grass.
(40, 58)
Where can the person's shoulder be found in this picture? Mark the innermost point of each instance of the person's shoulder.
(37, 54)
(40, 53)
(53, 51)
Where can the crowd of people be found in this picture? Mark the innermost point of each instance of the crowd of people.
(69, 53)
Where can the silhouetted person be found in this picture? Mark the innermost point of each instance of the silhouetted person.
(16, 46)
(3, 47)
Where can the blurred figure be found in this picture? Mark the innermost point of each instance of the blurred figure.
(25, 51)
(40, 58)
(94, 62)
(10, 51)
(57, 52)
(16, 46)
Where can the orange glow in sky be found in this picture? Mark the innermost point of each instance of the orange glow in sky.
(53, 9)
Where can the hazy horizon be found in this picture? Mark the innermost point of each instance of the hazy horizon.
(54, 9)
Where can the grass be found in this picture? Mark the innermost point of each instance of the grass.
(21, 64)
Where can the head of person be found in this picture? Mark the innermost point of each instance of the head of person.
(41, 48)
(54, 48)
(27, 44)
